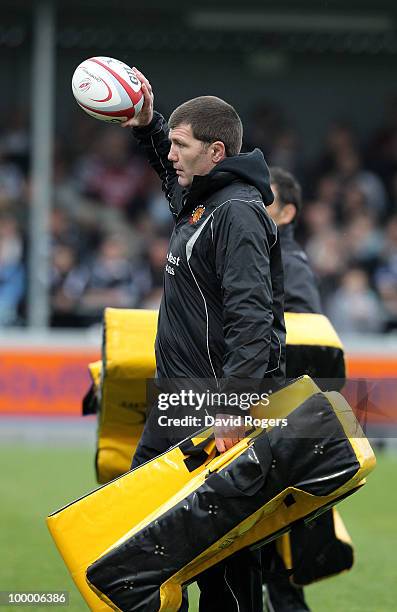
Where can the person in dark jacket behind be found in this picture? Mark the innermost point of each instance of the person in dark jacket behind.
(300, 286)
(221, 316)
(325, 364)
(300, 295)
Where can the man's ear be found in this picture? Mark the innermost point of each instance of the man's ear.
(218, 151)
(287, 214)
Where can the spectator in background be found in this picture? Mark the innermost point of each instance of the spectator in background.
(286, 151)
(12, 181)
(393, 193)
(320, 213)
(349, 170)
(386, 275)
(386, 284)
(328, 259)
(84, 135)
(157, 209)
(328, 191)
(266, 123)
(15, 140)
(353, 205)
(157, 254)
(382, 149)
(64, 230)
(354, 308)
(112, 176)
(63, 305)
(339, 137)
(362, 241)
(111, 278)
(12, 271)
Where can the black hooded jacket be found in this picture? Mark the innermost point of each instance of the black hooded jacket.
(301, 292)
(221, 315)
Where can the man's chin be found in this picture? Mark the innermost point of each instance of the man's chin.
(183, 181)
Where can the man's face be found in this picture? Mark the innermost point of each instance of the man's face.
(275, 209)
(188, 155)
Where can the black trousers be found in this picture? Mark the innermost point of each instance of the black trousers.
(234, 585)
(282, 596)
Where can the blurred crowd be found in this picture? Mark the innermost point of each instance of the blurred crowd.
(110, 224)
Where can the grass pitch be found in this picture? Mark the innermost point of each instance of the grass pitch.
(37, 481)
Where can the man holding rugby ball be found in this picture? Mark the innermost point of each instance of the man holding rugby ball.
(221, 316)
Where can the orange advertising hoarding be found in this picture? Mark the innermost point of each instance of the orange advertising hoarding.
(371, 389)
(46, 382)
(372, 366)
(51, 381)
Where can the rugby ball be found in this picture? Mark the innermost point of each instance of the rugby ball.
(107, 89)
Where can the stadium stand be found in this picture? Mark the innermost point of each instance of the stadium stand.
(109, 223)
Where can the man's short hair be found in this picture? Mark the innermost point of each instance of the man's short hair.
(211, 119)
(288, 189)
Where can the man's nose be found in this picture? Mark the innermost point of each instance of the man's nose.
(172, 154)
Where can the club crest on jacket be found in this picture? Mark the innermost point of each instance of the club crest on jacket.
(197, 214)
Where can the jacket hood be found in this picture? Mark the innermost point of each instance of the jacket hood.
(250, 168)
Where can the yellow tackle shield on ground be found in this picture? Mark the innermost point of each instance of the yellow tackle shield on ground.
(261, 486)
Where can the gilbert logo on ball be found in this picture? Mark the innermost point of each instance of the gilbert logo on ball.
(107, 89)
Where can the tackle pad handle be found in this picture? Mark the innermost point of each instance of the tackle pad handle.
(246, 476)
(197, 453)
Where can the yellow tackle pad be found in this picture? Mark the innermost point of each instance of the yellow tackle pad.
(314, 348)
(128, 360)
(128, 532)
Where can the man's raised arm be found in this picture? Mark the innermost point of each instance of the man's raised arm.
(151, 130)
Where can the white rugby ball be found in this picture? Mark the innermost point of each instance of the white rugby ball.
(107, 89)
